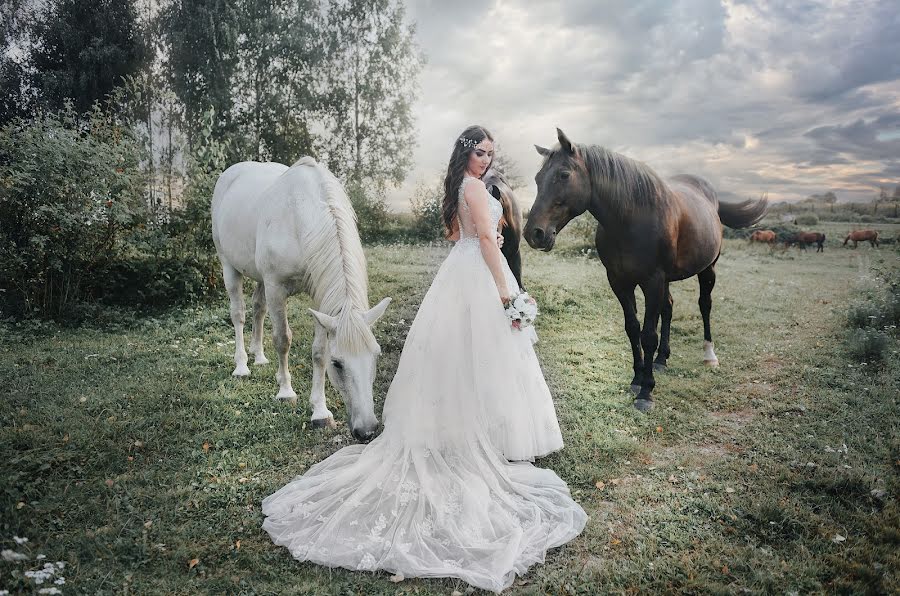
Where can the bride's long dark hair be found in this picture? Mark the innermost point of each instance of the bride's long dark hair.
(463, 146)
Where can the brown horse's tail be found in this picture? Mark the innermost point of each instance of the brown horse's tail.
(745, 213)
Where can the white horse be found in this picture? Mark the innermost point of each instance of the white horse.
(292, 230)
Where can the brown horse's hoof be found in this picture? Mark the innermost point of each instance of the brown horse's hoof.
(643, 405)
(323, 422)
(635, 388)
(659, 367)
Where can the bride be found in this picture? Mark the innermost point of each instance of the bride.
(434, 494)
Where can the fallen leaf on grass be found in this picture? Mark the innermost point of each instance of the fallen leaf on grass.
(193, 563)
(205, 446)
(237, 545)
(109, 482)
(838, 538)
(599, 484)
(659, 429)
(397, 578)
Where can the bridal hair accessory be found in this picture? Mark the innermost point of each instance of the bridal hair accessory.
(468, 143)
(521, 311)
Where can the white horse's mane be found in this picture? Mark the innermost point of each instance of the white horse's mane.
(336, 266)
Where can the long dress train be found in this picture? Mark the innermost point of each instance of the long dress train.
(434, 494)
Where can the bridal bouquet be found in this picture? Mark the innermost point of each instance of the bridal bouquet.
(522, 310)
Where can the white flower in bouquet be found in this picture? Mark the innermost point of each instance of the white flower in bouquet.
(522, 310)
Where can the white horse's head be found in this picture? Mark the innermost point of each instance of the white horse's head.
(352, 353)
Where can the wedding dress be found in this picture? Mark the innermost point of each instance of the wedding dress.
(434, 494)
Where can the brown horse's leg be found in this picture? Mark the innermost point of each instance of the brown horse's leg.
(625, 294)
(654, 292)
(666, 313)
(707, 279)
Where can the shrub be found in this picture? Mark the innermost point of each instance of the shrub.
(863, 314)
(70, 191)
(867, 345)
(372, 214)
(426, 212)
(807, 220)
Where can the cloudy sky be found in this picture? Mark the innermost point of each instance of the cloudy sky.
(789, 97)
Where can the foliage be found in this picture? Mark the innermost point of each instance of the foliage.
(368, 86)
(71, 191)
(806, 220)
(71, 50)
(867, 345)
(252, 62)
(425, 204)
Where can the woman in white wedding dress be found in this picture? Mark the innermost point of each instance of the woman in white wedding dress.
(434, 494)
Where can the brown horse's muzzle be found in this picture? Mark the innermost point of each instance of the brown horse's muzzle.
(540, 238)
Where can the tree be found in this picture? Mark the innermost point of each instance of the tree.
(368, 90)
(83, 49)
(881, 198)
(251, 62)
(829, 198)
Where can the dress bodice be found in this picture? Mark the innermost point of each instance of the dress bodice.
(467, 231)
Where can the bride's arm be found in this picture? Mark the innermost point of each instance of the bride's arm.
(477, 200)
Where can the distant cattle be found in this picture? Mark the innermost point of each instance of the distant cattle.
(766, 236)
(862, 236)
(804, 239)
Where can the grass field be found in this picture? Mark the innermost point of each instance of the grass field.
(130, 454)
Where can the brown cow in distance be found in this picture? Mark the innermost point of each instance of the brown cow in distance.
(862, 236)
(765, 236)
(804, 239)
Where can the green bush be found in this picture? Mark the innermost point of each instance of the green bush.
(70, 190)
(372, 214)
(426, 206)
(806, 220)
(863, 314)
(867, 345)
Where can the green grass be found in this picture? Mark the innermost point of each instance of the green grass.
(129, 451)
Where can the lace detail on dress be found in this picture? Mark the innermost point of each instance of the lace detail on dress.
(467, 233)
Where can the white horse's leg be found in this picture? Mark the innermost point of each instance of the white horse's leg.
(259, 323)
(234, 285)
(321, 415)
(276, 300)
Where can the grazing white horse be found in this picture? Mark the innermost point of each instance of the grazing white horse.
(292, 230)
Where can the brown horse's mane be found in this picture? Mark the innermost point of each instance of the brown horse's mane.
(627, 184)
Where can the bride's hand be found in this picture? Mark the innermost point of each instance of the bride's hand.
(499, 240)
(504, 296)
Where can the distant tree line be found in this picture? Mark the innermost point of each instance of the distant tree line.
(827, 205)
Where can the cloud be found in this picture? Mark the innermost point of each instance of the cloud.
(790, 98)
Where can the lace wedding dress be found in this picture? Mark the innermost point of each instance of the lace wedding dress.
(434, 494)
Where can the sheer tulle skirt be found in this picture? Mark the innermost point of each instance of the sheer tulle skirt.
(434, 494)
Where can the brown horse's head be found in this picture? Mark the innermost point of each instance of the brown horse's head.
(563, 193)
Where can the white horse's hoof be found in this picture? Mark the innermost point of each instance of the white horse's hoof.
(323, 422)
(260, 360)
(711, 363)
(287, 395)
(241, 370)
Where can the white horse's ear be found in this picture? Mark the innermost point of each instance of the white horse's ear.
(542, 150)
(328, 322)
(564, 141)
(374, 313)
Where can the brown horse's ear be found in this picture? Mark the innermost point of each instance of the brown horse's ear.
(542, 150)
(564, 141)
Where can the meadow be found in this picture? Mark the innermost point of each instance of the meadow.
(131, 455)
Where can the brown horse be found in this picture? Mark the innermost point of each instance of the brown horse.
(862, 236)
(765, 236)
(512, 220)
(804, 239)
(652, 232)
